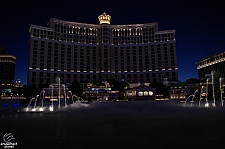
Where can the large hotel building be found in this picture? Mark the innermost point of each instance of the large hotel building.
(80, 51)
(215, 63)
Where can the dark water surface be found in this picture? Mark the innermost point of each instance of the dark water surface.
(121, 125)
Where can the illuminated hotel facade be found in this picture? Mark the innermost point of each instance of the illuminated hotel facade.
(215, 63)
(7, 69)
(94, 52)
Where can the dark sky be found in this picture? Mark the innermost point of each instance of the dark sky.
(199, 25)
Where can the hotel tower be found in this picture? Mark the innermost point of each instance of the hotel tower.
(81, 51)
(7, 69)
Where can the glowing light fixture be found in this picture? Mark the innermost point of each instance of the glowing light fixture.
(104, 18)
(150, 93)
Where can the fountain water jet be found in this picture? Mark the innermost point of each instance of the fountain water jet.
(35, 99)
(79, 99)
(203, 95)
(52, 94)
(192, 99)
(213, 89)
(221, 91)
(51, 107)
(210, 90)
(71, 97)
(34, 107)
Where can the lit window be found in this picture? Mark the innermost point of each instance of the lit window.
(150, 93)
(140, 93)
(145, 93)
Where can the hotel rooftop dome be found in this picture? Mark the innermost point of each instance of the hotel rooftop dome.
(104, 18)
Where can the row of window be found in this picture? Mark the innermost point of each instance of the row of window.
(104, 39)
(130, 49)
(88, 65)
(85, 35)
(46, 78)
(61, 58)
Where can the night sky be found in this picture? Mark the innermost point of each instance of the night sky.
(199, 26)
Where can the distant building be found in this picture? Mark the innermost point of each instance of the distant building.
(179, 92)
(81, 51)
(7, 69)
(141, 92)
(101, 94)
(182, 91)
(18, 83)
(215, 63)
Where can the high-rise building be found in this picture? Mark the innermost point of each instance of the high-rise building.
(81, 51)
(7, 69)
(214, 63)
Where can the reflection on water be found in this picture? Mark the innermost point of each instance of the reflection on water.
(151, 124)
